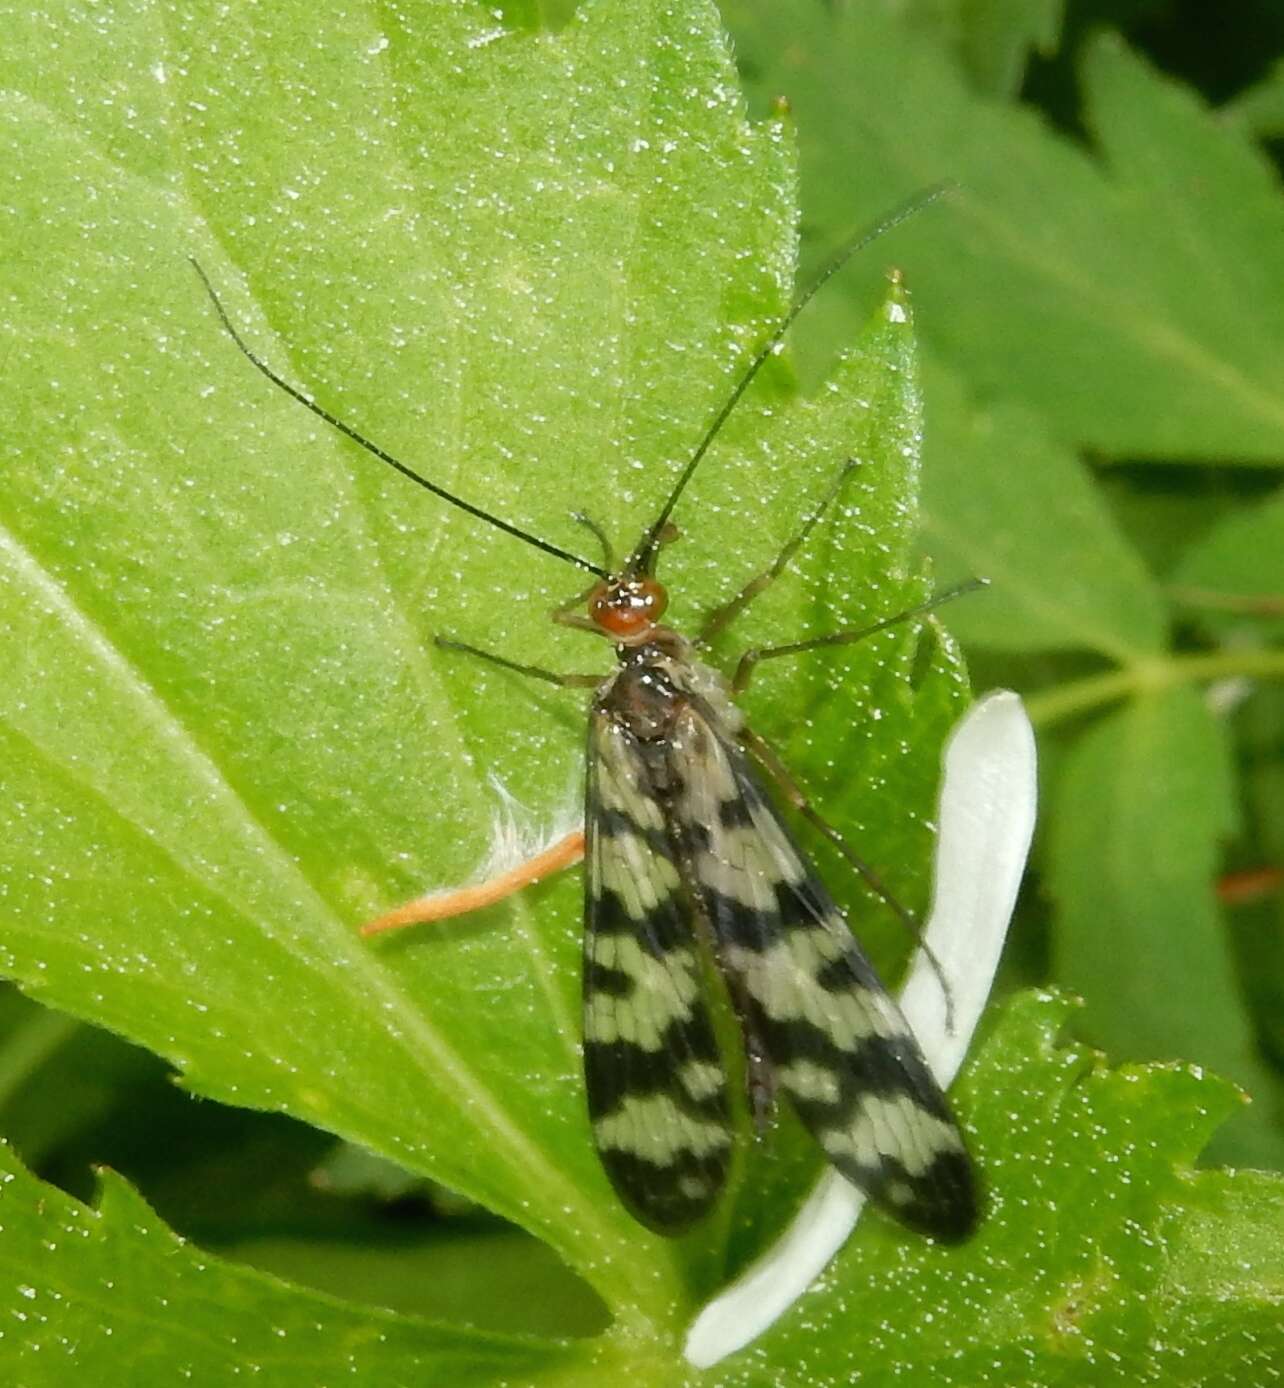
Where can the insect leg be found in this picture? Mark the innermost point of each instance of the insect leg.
(751, 659)
(767, 758)
(534, 671)
(587, 521)
(722, 617)
(568, 613)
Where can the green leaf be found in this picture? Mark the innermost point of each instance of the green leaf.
(479, 1273)
(109, 1295)
(1236, 571)
(1162, 1273)
(30, 1037)
(534, 268)
(1129, 296)
(1001, 496)
(1092, 1168)
(1142, 807)
(1233, 1220)
(1164, 513)
(278, 1195)
(993, 38)
(1260, 109)
(66, 1089)
(998, 36)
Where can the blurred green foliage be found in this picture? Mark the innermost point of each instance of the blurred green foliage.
(526, 252)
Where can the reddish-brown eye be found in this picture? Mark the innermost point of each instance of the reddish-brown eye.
(628, 610)
(598, 599)
(651, 597)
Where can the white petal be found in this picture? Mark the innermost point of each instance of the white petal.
(985, 819)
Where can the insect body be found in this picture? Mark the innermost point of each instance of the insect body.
(681, 839)
(687, 863)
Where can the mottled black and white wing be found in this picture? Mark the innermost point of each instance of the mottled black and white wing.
(655, 1078)
(836, 1042)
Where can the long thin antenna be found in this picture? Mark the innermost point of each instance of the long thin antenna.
(384, 457)
(643, 556)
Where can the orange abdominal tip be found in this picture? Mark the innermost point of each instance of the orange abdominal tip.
(440, 906)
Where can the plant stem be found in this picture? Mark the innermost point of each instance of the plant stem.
(1151, 677)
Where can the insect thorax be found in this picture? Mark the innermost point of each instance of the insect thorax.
(656, 681)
